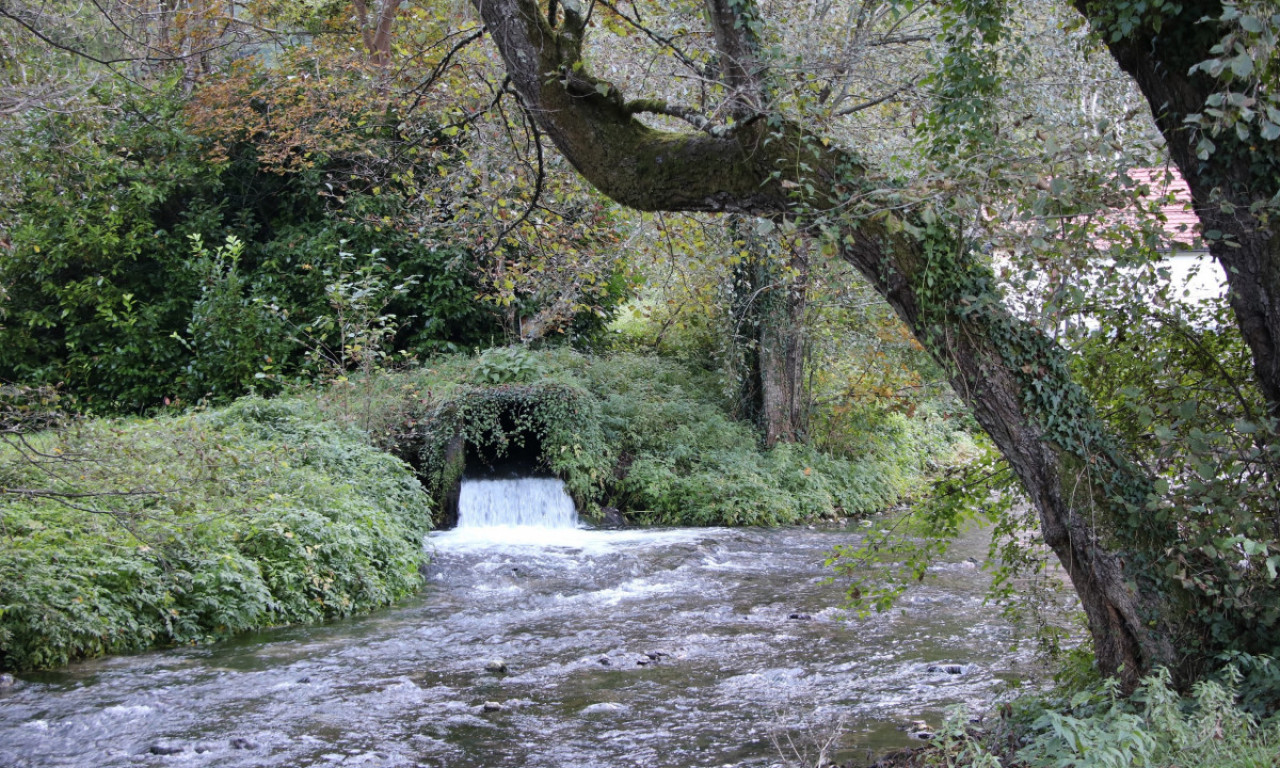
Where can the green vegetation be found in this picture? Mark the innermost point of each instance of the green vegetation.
(648, 435)
(186, 529)
(1217, 724)
(144, 262)
(120, 535)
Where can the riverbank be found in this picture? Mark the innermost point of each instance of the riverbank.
(118, 535)
(648, 436)
(187, 529)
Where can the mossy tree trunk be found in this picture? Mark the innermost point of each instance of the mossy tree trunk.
(767, 308)
(1090, 498)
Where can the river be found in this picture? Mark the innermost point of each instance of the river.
(673, 648)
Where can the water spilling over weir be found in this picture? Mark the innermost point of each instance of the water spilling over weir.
(531, 502)
(650, 649)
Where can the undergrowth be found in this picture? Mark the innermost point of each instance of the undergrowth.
(119, 535)
(1217, 724)
(648, 435)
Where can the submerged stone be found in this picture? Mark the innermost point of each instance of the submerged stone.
(165, 749)
(949, 669)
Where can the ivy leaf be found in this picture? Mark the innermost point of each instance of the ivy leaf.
(1205, 148)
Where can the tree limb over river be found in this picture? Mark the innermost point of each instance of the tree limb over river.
(1094, 501)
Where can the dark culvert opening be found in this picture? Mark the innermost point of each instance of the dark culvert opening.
(520, 457)
(516, 452)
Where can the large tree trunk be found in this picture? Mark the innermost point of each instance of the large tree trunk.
(782, 371)
(1090, 499)
(1226, 186)
(767, 310)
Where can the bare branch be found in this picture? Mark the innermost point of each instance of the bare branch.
(689, 115)
(539, 174)
(440, 68)
(874, 102)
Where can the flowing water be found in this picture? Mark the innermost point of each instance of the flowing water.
(647, 648)
(533, 503)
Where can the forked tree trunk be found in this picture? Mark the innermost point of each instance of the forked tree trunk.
(1089, 497)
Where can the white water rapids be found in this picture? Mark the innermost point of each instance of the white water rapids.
(638, 648)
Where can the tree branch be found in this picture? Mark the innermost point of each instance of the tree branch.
(666, 42)
(689, 115)
(874, 102)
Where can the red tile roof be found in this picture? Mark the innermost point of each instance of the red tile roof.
(1182, 225)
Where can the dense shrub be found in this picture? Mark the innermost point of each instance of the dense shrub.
(188, 529)
(646, 434)
(685, 461)
(105, 293)
(1095, 727)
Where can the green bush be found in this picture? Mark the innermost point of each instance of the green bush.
(104, 293)
(646, 434)
(188, 529)
(1098, 728)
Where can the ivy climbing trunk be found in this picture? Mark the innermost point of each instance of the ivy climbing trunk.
(768, 301)
(1091, 500)
(782, 372)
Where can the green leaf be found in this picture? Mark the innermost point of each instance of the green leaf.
(1242, 65)
(1205, 148)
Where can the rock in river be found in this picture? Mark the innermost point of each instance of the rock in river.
(165, 749)
(949, 669)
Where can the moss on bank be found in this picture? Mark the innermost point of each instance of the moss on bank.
(191, 528)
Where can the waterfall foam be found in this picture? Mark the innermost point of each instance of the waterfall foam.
(526, 502)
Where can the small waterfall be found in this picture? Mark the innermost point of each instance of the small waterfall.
(533, 502)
